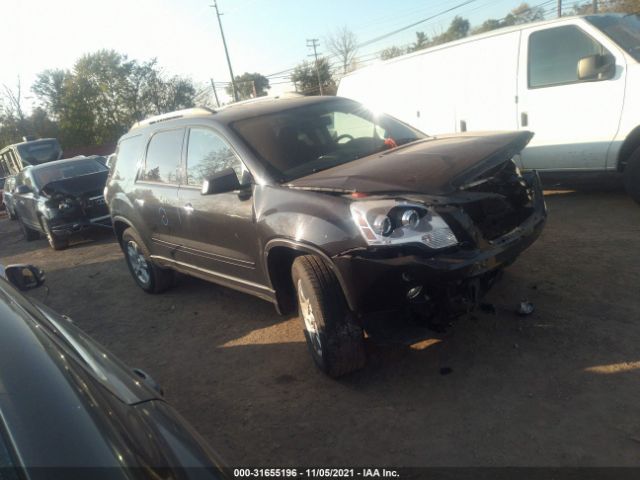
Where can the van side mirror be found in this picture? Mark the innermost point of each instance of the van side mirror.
(23, 189)
(223, 181)
(24, 277)
(596, 67)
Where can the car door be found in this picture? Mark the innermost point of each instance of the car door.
(26, 204)
(218, 231)
(9, 189)
(156, 191)
(574, 120)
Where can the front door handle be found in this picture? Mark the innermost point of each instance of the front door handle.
(188, 208)
(524, 119)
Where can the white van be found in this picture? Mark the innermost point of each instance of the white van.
(573, 81)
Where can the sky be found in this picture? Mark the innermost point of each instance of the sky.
(265, 36)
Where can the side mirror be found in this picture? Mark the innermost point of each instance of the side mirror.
(596, 67)
(224, 181)
(23, 189)
(24, 277)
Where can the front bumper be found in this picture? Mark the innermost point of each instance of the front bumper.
(375, 281)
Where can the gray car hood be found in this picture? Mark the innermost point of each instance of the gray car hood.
(434, 166)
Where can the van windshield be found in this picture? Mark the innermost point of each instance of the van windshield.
(622, 29)
(304, 140)
(39, 151)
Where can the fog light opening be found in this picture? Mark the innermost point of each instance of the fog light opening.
(413, 292)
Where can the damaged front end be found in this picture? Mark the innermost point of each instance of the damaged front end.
(437, 256)
(74, 204)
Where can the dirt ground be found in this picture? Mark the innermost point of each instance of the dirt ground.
(559, 387)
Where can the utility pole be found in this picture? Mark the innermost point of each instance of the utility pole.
(313, 43)
(215, 92)
(226, 52)
(559, 8)
(595, 6)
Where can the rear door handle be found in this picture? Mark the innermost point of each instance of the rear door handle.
(188, 208)
(524, 119)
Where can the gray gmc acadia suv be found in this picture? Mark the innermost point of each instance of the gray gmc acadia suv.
(319, 203)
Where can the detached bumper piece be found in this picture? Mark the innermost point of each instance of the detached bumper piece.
(493, 227)
(84, 224)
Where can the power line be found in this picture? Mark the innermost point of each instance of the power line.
(381, 37)
(407, 27)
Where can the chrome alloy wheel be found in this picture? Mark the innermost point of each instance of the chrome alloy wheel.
(309, 319)
(138, 263)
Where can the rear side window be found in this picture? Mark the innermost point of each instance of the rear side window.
(163, 157)
(207, 154)
(554, 55)
(125, 161)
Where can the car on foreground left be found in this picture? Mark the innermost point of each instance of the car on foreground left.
(61, 198)
(70, 409)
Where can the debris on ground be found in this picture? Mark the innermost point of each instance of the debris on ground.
(525, 308)
(446, 370)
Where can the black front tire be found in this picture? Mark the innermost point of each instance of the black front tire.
(56, 242)
(150, 277)
(29, 233)
(335, 340)
(632, 176)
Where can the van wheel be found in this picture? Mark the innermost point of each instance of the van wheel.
(55, 242)
(12, 215)
(29, 233)
(335, 341)
(149, 277)
(632, 176)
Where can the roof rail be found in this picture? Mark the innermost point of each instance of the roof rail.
(187, 112)
(266, 98)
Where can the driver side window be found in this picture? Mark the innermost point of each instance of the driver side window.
(208, 154)
(350, 126)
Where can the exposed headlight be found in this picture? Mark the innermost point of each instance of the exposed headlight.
(382, 225)
(410, 218)
(389, 222)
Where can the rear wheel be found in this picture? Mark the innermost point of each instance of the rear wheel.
(632, 176)
(334, 339)
(150, 277)
(29, 233)
(56, 242)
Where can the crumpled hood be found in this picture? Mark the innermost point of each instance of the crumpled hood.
(76, 186)
(434, 166)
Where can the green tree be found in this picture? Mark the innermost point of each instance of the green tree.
(488, 25)
(49, 88)
(246, 83)
(391, 52)
(105, 93)
(523, 13)
(459, 28)
(422, 41)
(305, 78)
(619, 6)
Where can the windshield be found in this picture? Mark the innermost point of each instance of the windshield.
(304, 140)
(67, 169)
(39, 151)
(622, 29)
